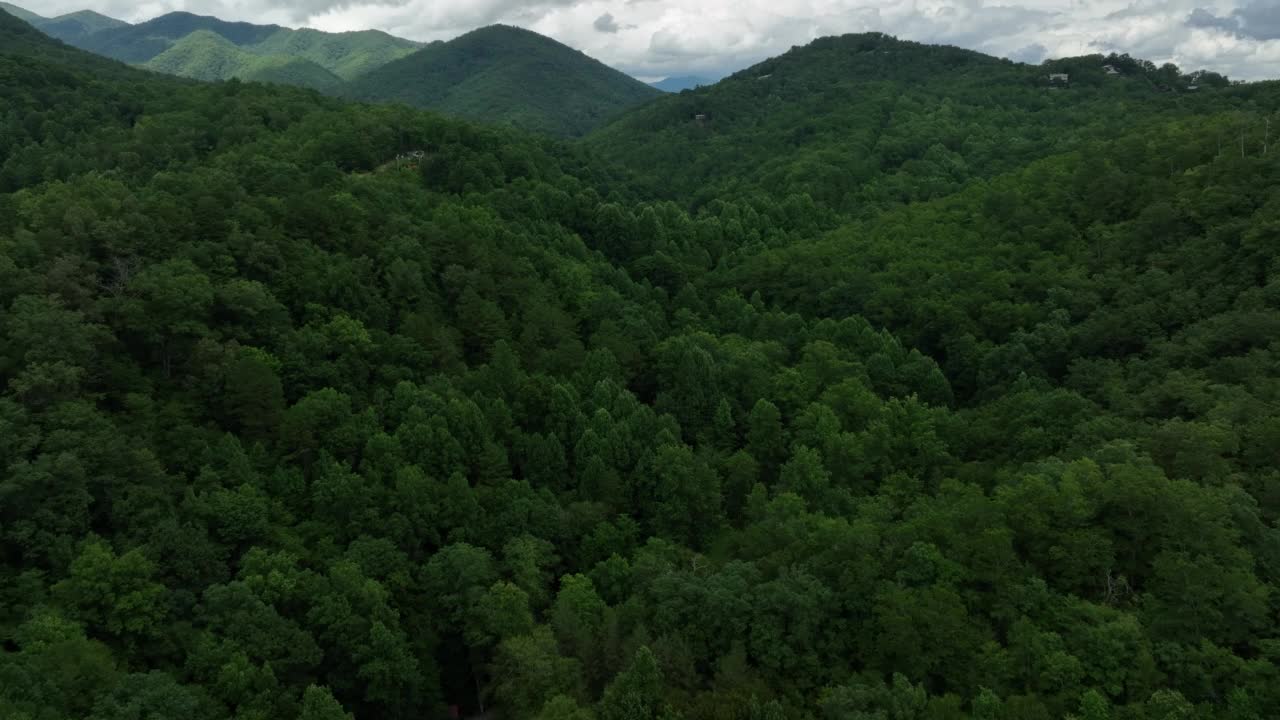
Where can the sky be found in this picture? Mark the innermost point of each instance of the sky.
(652, 39)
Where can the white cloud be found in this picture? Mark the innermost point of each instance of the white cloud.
(654, 38)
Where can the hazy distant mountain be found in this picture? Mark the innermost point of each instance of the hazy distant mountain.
(507, 75)
(22, 13)
(20, 38)
(342, 55)
(683, 82)
(70, 27)
(205, 55)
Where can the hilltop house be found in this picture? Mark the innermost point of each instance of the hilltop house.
(1110, 70)
(1059, 77)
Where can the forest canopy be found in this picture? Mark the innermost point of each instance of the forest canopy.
(940, 393)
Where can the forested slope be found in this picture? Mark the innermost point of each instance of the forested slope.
(502, 75)
(292, 429)
(205, 55)
(204, 44)
(859, 121)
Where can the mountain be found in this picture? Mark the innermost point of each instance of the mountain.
(21, 40)
(507, 75)
(205, 55)
(347, 54)
(863, 120)
(22, 13)
(142, 42)
(74, 27)
(70, 27)
(298, 52)
(684, 82)
(316, 409)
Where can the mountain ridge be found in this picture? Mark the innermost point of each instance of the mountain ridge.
(206, 55)
(506, 75)
(345, 55)
(68, 27)
(839, 105)
(677, 83)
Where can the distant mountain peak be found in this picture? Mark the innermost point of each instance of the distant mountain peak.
(502, 74)
(676, 83)
(69, 27)
(312, 58)
(21, 13)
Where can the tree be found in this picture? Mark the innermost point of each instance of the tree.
(688, 507)
(319, 704)
(115, 595)
(482, 321)
(456, 578)
(171, 311)
(529, 671)
(255, 395)
(805, 476)
(563, 707)
(637, 692)
(764, 436)
(578, 618)
(502, 612)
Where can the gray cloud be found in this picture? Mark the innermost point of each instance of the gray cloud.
(1257, 20)
(606, 24)
(1260, 19)
(1201, 18)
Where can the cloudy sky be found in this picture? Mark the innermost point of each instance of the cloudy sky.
(656, 38)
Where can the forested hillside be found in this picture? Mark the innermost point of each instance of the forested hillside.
(206, 48)
(205, 55)
(502, 75)
(862, 120)
(297, 424)
(495, 75)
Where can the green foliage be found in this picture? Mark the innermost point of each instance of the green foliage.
(206, 48)
(503, 75)
(205, 55)
(319, 704)
(856, 122)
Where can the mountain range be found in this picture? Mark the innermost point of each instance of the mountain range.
(498, 74)
(70, 27)
(211, 49)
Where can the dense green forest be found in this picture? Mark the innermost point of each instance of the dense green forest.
(937, 392)
(500, 75)
(206, 48)
(206, 55)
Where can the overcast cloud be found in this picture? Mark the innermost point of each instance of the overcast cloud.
(655, 38)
